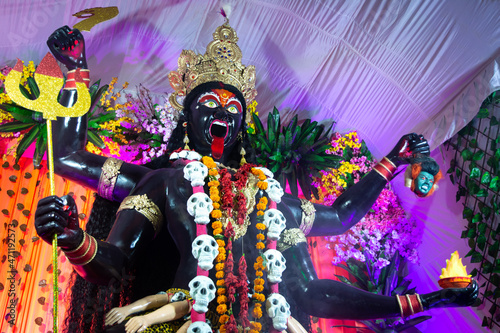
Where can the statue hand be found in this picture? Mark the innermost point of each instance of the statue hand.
(137, 324)
(451, 297)
(408, 146)
(68, 46)
(59, 216)
(116, 315)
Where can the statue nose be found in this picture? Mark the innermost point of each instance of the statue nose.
(220, 114)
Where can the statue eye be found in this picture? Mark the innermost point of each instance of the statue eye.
(232, 109)
(210, 103)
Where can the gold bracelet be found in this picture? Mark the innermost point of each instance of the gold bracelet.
(289, 238)
(85, 235)
(308, 215)
(142, 204)
(109, 174)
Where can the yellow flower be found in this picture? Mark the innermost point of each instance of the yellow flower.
(221, 308)
(260, 226)
(216, 214)
(217, 225)
(219, 266)
(220, 283)
(260, 246)
(260, 213)
(261, 237)
(262, 185)
(221, 291)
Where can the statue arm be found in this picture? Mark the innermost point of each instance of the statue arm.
(118, 314)
(71, 161)
(135, 226)
(354, 203)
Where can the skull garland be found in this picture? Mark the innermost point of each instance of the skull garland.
(200, 206)
(275, 221)
(278, 310)
(205, 249)
(195, 172)
(275, 264)
(199, 327)
(202, 289)
(274, 190)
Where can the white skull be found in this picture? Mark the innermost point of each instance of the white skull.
(199, 327)
(195, 172)
(274, 190)
(202, 289)
(205, 249)
(178, 296)
(275, 264)
(200, 206)
(278, 310)
(275, 221)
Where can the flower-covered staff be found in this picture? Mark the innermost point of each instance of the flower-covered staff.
(217, 88)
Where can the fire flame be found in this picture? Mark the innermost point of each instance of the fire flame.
(454, 267)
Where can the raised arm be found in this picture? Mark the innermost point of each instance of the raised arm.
(354, 203)
(109, 177)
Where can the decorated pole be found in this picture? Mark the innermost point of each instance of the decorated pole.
(49, 79)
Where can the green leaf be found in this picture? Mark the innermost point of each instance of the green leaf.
(481, 228)
(95, 139)
(41, 147)
(482, 193)
(494, 183)
(475, 173)
(26, 141)
(35, 92)
(473, 143)
(481, 242)
(15, 126)
(466, 155)
(483, 113)
(467, 213)
(472, 187)
(486, 178)
(493, 121)
(478, 155)
(476, 257)
(486, 211)
(493, 249)
(25, 92)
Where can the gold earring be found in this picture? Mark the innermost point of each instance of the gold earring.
(186, 139)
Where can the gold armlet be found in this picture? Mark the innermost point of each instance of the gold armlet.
(308, 215)
(109, 174)
(289, 238)
(142, 204)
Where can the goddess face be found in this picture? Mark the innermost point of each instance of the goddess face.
(215, 121)
(424, 183)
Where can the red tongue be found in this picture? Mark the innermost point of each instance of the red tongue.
(217, 147)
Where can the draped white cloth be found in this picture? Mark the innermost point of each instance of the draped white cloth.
(384, 68)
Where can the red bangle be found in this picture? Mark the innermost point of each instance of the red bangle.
(409, 305)
(70, 78)
(385, 168)
(85, 253)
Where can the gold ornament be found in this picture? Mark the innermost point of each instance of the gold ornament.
(94, 16)
(221, 62)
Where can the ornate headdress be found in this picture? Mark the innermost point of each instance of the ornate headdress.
(221, 62)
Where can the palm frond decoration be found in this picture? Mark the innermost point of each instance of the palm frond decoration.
(293, 153)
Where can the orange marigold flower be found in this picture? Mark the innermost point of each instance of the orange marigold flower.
(261, 237)
(258, 288)
(260, 246)
(262, 185)
(217, 224)
(260, 226)
(215, 198)
(213, 172)
(221, 257)
(209, 162)
(220, 283)
(221, 308)
(263, 200)
(222, 329)
(260, 213)
(218, 231)
(221, 291)
(214, 190)
(213, 183)
(259, 281)
(221, 299)
(259, 259)
(259, 273)
(216, 214)
(255, 325)
(219, 266)
(223, 319)
(219, 275)
(261, 206)
(216, 205)
(221, 242)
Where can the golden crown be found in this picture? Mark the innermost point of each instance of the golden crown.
(221, 62)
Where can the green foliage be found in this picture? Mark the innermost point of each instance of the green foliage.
(293, 153)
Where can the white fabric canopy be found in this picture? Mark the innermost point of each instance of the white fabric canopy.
(384, 68)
